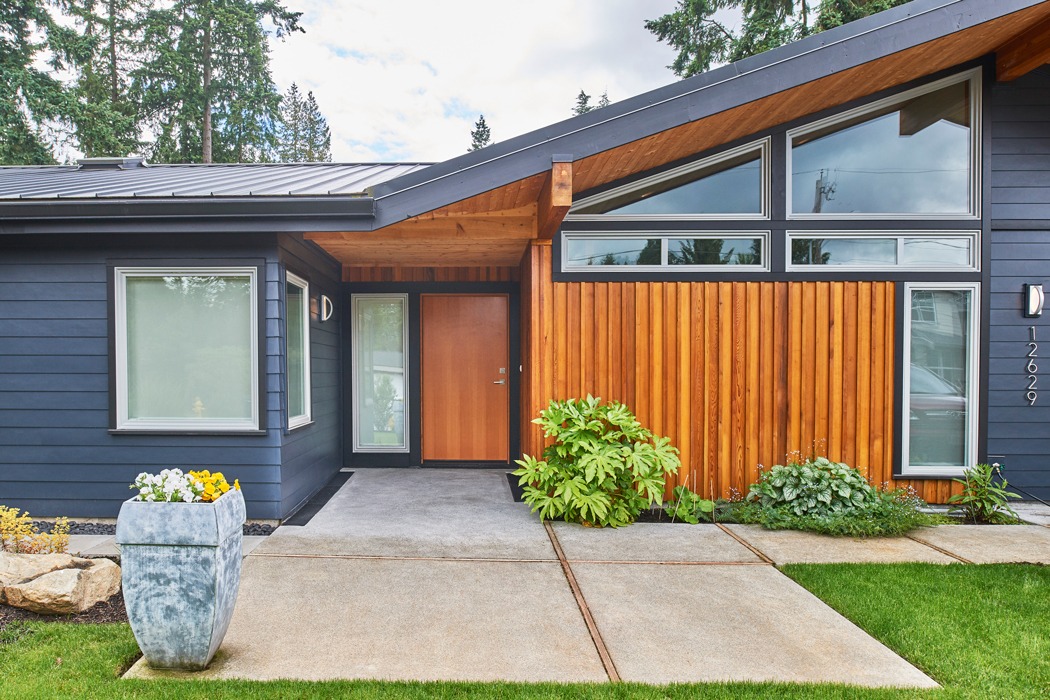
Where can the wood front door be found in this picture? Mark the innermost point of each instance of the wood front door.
(465, 348)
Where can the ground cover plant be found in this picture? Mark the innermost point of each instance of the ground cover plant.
(20, 535)
(603, 468)
(830, 498)
(977, 630)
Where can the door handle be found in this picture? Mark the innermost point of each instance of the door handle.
(500, 381)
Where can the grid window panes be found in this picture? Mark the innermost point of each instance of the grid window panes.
(911, 157)
(186, 350)
(297, 304)
(380, 373)
(941, 392)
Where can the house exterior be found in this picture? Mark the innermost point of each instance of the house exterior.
(824, 249)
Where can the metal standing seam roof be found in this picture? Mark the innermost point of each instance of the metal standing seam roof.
(44, 182)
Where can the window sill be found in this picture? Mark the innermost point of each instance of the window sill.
(293, 428)
(176, 431)
(925, 476)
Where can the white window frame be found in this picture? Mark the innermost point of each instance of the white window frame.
(123, 422)
(761, 147)
(355, 413)
(974, 76)
(901, 237)
(306, 418)
(973, 359)
(664, 267)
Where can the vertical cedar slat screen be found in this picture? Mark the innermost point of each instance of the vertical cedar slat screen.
(736, 373)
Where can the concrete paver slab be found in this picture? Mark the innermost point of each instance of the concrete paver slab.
(794, 547)
(991, 544)
(730, 623)
(672, 542)
(328, 618)
(456, 513)
(1032, 512)
(79, 544)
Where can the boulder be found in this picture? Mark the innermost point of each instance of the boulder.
(66, 591)
(18, 568)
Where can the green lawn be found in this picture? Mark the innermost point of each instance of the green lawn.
(981, 631)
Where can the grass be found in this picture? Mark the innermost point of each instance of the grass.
(981, 631)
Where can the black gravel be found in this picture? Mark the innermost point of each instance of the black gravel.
(110, 529)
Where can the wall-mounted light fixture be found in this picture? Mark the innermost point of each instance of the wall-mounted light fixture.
(1033, 300)
(327, 308)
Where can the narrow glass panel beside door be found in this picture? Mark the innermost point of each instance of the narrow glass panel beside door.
(380, 373)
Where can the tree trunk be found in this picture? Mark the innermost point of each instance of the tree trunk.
(206, 130)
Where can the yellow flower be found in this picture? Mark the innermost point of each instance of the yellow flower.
(237, 484)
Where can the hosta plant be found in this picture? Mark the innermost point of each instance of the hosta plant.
(817, 487)
(982, 499)
(603, 468)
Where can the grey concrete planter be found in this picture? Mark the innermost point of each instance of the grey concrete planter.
(181, 566)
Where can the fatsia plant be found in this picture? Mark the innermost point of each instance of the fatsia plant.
(603, 468)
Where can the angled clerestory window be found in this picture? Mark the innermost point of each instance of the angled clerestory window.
(730, 185)
(912, 155)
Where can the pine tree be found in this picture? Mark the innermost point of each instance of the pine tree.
(480, 135)
(208, 94)
(318, 135)
(33, 103)
(603, 101)
(583, 104)
(703, 41)
(291, 146)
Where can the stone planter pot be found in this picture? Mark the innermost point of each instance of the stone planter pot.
(181, 566)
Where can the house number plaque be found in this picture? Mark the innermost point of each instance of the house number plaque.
(1032, 368)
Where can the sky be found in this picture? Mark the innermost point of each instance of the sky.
(405, 80)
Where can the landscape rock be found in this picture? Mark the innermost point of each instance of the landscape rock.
(66, 591)
(18, 568)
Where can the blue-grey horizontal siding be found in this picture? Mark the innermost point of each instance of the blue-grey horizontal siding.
(312, 454)
(57, 456)
(1020, 163)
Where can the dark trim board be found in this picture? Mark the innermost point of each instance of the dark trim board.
(305, 513)
(414, 290)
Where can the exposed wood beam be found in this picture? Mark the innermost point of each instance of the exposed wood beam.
(555, 199)
(1023, 53)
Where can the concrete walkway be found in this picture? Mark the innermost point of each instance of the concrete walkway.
(439, 575)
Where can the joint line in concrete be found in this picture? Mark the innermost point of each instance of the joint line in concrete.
(934, 547)
(754, 550)
(588, 619)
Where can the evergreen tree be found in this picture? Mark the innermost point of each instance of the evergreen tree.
(318, 135)
(108, 120)
(603, 101)
(480, 135)
(583, 104)
(33, 103)
(206, 87)
(291, 140)
(702, 41)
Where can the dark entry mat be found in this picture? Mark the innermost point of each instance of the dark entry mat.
(516, 491)
(308, 511)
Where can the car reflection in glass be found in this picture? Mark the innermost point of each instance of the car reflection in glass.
(937, 434)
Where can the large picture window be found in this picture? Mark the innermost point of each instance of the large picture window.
(940, 378)
(297, 324)
(186, 344)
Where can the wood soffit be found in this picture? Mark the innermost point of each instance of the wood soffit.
(494, 227)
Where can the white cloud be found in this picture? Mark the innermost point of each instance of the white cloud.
(406, 79)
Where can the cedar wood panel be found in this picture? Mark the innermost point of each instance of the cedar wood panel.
(737, 374)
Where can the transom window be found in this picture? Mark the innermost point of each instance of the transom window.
(883, 250)
(186, 343)
(660, 250)
(910, 155)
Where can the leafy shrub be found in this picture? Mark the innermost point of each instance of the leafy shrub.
(19, 535)
(816, 487)
(688, 506)
(603, 469)
(983, 500)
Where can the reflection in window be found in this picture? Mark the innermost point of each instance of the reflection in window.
(856, 252)
(912, 157)
(297, 322)
(186, 345)
(609, 252)
(938, 252)
(941, 396)
(714, 251)
(379, 373)
(727, 184)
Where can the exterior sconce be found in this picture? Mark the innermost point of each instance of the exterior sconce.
(327, 308)
(1033, 300)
